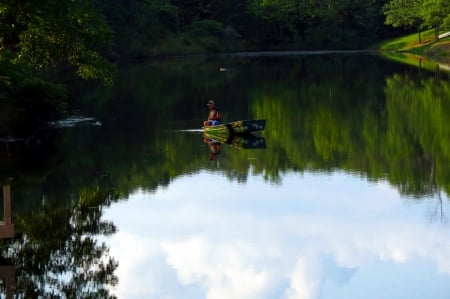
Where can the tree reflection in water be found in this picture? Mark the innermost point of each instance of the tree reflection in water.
(56, 252)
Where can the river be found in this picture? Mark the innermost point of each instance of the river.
(345, 194)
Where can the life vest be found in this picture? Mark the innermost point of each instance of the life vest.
(214, 114)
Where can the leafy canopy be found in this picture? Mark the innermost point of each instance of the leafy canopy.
(415, 13)
(50, 33)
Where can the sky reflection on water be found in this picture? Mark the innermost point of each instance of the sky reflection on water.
(312, 236)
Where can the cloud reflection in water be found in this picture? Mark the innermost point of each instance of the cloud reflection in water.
(314, 236)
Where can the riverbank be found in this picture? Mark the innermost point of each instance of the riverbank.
(428, 47)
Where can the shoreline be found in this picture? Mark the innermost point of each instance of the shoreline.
(407, 49)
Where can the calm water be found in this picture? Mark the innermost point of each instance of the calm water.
(345, 195)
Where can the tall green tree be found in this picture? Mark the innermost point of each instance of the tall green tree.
(435, 14)
(275, 13)
(404, 13)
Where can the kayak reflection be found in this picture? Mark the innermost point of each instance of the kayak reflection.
(245, 141)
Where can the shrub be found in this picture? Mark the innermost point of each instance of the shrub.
(207, 28)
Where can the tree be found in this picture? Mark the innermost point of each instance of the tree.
(285, 17)
(435, 13)
(50, 33)
(404, 13)
(139, 24)
(328, 23)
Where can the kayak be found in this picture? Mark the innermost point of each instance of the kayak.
(237, 127)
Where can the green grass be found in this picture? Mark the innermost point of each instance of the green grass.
(407, 49)
(408, 42)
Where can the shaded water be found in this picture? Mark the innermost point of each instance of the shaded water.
(344, 196)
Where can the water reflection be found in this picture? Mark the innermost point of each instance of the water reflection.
(215, 147)
(247, 141)
(55, 253)
(441, 68)
(325, 112)
(7, 268)
(7, 274)
(351, 189)
(315, 236)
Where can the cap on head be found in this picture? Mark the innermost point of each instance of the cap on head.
(210, 102)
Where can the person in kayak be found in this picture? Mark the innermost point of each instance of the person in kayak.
(214, 115)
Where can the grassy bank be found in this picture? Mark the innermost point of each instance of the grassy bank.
(405, 47)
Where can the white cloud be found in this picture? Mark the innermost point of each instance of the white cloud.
(306, 278)
(225, 270)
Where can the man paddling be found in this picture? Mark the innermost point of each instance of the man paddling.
(214, 115)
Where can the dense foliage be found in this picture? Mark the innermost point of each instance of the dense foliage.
(49, 33)
(82, 32)
(418, 14)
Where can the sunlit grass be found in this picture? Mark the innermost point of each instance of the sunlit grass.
(407, 49)
(408, 42)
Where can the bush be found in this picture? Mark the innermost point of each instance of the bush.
(208, 34)
(207, 28)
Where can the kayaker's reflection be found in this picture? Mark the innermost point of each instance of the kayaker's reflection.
(214, 147)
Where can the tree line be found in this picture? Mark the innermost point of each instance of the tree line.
(44, 43)
(86, 35)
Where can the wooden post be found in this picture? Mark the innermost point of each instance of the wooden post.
(6, 227)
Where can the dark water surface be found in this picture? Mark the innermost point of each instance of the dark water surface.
(345, 194)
